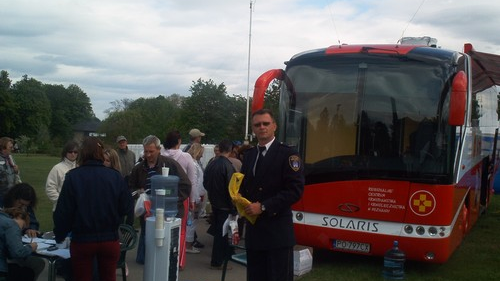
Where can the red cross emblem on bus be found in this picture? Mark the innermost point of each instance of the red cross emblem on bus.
(422, 203)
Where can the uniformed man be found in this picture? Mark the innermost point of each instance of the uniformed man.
(273, 182)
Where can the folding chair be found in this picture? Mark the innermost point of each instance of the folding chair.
(128, 240)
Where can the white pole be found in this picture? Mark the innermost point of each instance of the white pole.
(247, 132)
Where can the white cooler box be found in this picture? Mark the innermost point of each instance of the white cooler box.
(302, 261)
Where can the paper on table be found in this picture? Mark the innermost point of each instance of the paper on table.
(43, 246)
(37, 240)
(63, 253)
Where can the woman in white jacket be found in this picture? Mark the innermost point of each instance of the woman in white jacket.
(55, 179)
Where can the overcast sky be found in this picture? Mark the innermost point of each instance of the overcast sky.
(117, 49)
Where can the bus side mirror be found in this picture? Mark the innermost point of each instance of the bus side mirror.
(458, 99)
(261, 86)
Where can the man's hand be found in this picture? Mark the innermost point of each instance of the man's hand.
(253, 209)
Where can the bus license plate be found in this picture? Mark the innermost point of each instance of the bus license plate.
(351, 246)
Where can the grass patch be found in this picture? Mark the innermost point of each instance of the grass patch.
(34, 170)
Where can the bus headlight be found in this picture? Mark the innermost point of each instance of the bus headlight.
(299, 216)
(433, 231)
(420, 230)
(408, 229)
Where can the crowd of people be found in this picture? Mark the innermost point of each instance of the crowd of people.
(91, 190)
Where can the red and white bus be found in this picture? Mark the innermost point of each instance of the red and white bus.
(398, 143)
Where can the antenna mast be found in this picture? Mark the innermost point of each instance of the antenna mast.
(247, 133)
(408, 24)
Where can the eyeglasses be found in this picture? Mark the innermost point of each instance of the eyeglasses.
(257, 125)
(73, 151)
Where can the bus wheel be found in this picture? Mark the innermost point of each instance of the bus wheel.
(465, 219)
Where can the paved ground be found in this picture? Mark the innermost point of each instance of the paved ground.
(197, 265)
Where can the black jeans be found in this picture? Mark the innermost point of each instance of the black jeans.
(270, 265)
(220, 249)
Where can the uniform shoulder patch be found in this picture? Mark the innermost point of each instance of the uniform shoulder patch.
(294, 162)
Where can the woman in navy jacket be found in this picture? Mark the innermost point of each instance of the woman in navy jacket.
(92, 202)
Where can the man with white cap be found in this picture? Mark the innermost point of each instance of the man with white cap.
(194, 137)
(127, 157)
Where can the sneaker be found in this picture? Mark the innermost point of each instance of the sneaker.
(193, 250)
(198, 245)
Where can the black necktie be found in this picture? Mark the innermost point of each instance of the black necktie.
(260, 157)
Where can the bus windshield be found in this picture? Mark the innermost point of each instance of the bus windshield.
(369, 116)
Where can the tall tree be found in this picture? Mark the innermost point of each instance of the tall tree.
(69, 106)
(139, 118)
(34, 110)
(8, 106)
(81, 107)
(237, 110)
(60, 125)
(208, 110)
(118, 105)
(176, 100)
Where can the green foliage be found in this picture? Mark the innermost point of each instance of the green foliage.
(237, 105)
(272, 97)
(139, 118)
(206, 109)
(69, 106)
(211, 110)
(24, 144)
(8, 107)
(34, 107)
(34, 170)
(43, 142)
(44, 114)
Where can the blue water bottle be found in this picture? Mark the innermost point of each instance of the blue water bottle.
(394, 261)
(190, 218)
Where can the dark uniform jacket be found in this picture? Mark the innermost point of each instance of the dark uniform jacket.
(278, 184)
(216, 180)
